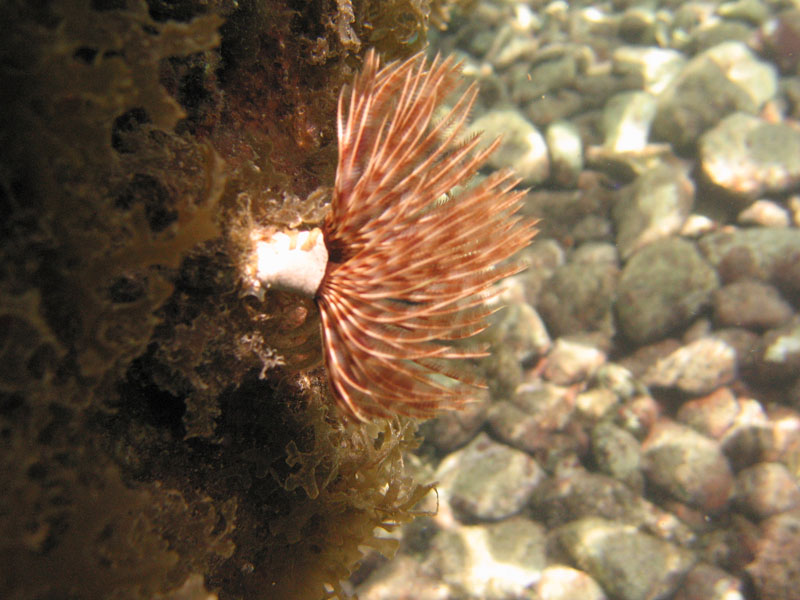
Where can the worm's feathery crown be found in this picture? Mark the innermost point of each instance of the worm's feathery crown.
(410, 271)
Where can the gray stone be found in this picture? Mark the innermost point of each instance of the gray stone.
(486, 480)
(543, 78)
(556, 105)
(775, 572)
(516, 49)
(592, 228)
(706, 582)
(749, 157)
(560, 211)
(753, 11)
(718, 32)
(579, 297)
(522, 148)
(778, 354)
(596, 403)
(574, 493)
(542, 257)
(765, 213)
(653, 207)
(626, 121)
(696, 368)
(628, 564)
(566, 153)
(657, 67)
(745, 344)
(766, 489)
(597, 253)
(687, 465)
(757, 438)
(496, 561)
(638, 23)
(453, 429)
(751, 304)
(565, 583)
(571, 362)
(751, 438)
(777, 37)
(519, 329)
(617, 453)
(403, 577)
(723, 79)
(662, 289)
(539, 421)
(711, 415)
(619, 380)
(766, 254)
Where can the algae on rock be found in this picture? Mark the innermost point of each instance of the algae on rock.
(150, 439)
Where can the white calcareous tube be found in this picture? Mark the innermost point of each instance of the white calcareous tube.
(293, 261)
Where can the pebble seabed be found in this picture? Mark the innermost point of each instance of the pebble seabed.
(641, 436)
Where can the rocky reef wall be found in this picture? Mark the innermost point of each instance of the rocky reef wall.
(156, 439)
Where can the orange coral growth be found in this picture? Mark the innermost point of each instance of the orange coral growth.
(411, 266)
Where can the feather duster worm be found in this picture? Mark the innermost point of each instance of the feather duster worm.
(408, 268)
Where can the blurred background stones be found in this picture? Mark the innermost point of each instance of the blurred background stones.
(663, 412)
